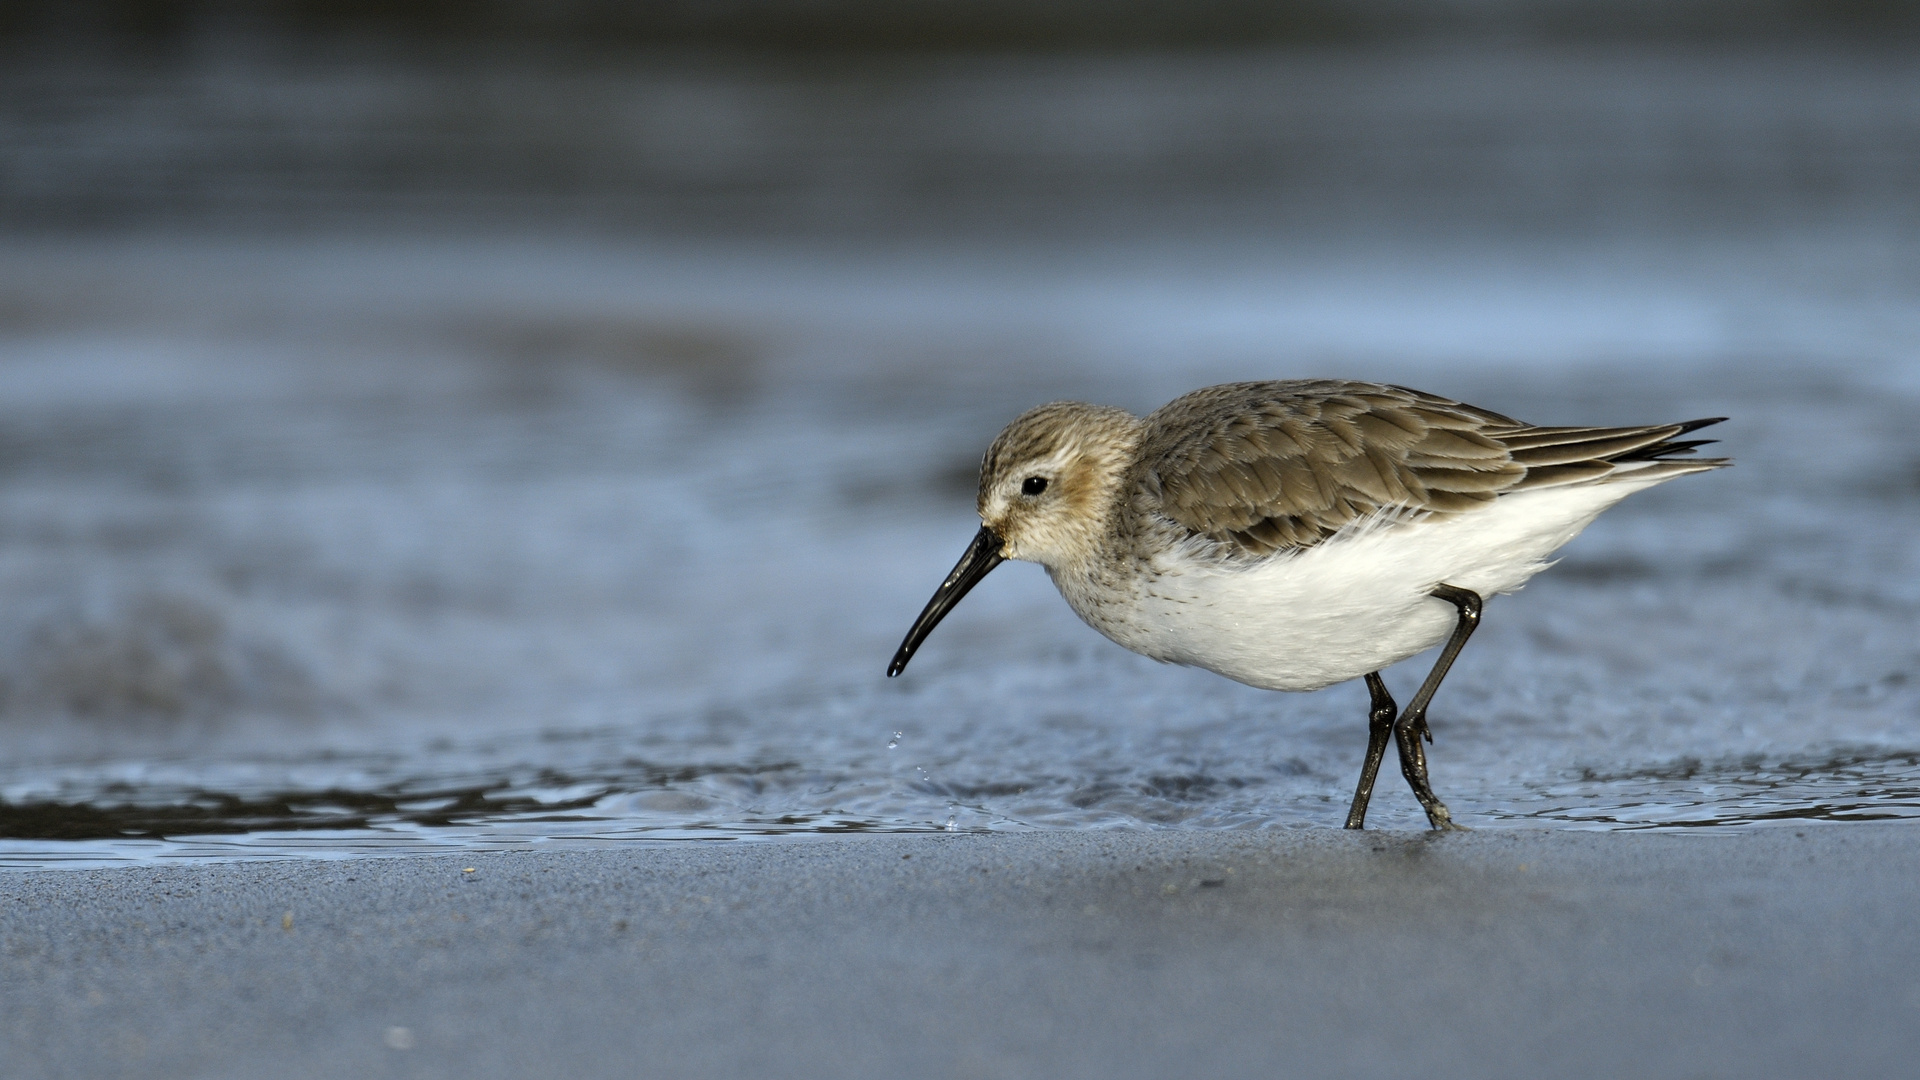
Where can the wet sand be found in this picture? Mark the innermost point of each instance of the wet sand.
(1781, 951)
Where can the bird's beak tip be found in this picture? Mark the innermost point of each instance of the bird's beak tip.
(981, 557)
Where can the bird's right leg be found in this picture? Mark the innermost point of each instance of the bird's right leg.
(1412, 724)
(1380, 716)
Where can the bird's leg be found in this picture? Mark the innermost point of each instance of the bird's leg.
(1412, 723)
(1380, 716)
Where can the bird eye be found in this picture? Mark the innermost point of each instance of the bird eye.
(1033, 485)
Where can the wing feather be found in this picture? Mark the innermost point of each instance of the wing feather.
(1264, 467)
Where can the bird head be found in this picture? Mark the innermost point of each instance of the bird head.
(1047, 485)
(1048, 482)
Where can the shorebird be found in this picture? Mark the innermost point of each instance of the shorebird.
(1295, 534)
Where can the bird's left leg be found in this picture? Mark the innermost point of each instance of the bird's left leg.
(1412, 723)
(1380, 717)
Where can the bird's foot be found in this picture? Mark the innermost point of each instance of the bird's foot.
(1442, 820)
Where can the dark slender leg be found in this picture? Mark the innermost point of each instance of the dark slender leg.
(1380, 716)
(1412, 724)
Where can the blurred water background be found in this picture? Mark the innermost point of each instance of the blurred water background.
(433, 426)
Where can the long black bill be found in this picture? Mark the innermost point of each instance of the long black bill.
(981, 557)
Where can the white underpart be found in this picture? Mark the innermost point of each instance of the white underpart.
(1353, 604)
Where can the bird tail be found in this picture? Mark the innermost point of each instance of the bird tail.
(1556, 456)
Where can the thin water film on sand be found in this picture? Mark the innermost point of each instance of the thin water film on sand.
(324, 537)
(416, 586)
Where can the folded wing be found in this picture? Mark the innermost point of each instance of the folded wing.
(1264, 467)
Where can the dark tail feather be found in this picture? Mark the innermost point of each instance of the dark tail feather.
(1669, 447)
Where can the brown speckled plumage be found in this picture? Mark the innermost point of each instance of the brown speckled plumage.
(1267, 466)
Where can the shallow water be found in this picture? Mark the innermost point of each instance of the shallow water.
(325, 548)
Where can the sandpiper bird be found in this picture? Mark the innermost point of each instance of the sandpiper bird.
(1295, 534)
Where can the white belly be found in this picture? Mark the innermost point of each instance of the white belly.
(1343, 608)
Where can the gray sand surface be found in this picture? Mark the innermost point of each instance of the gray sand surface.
(1788, 952)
